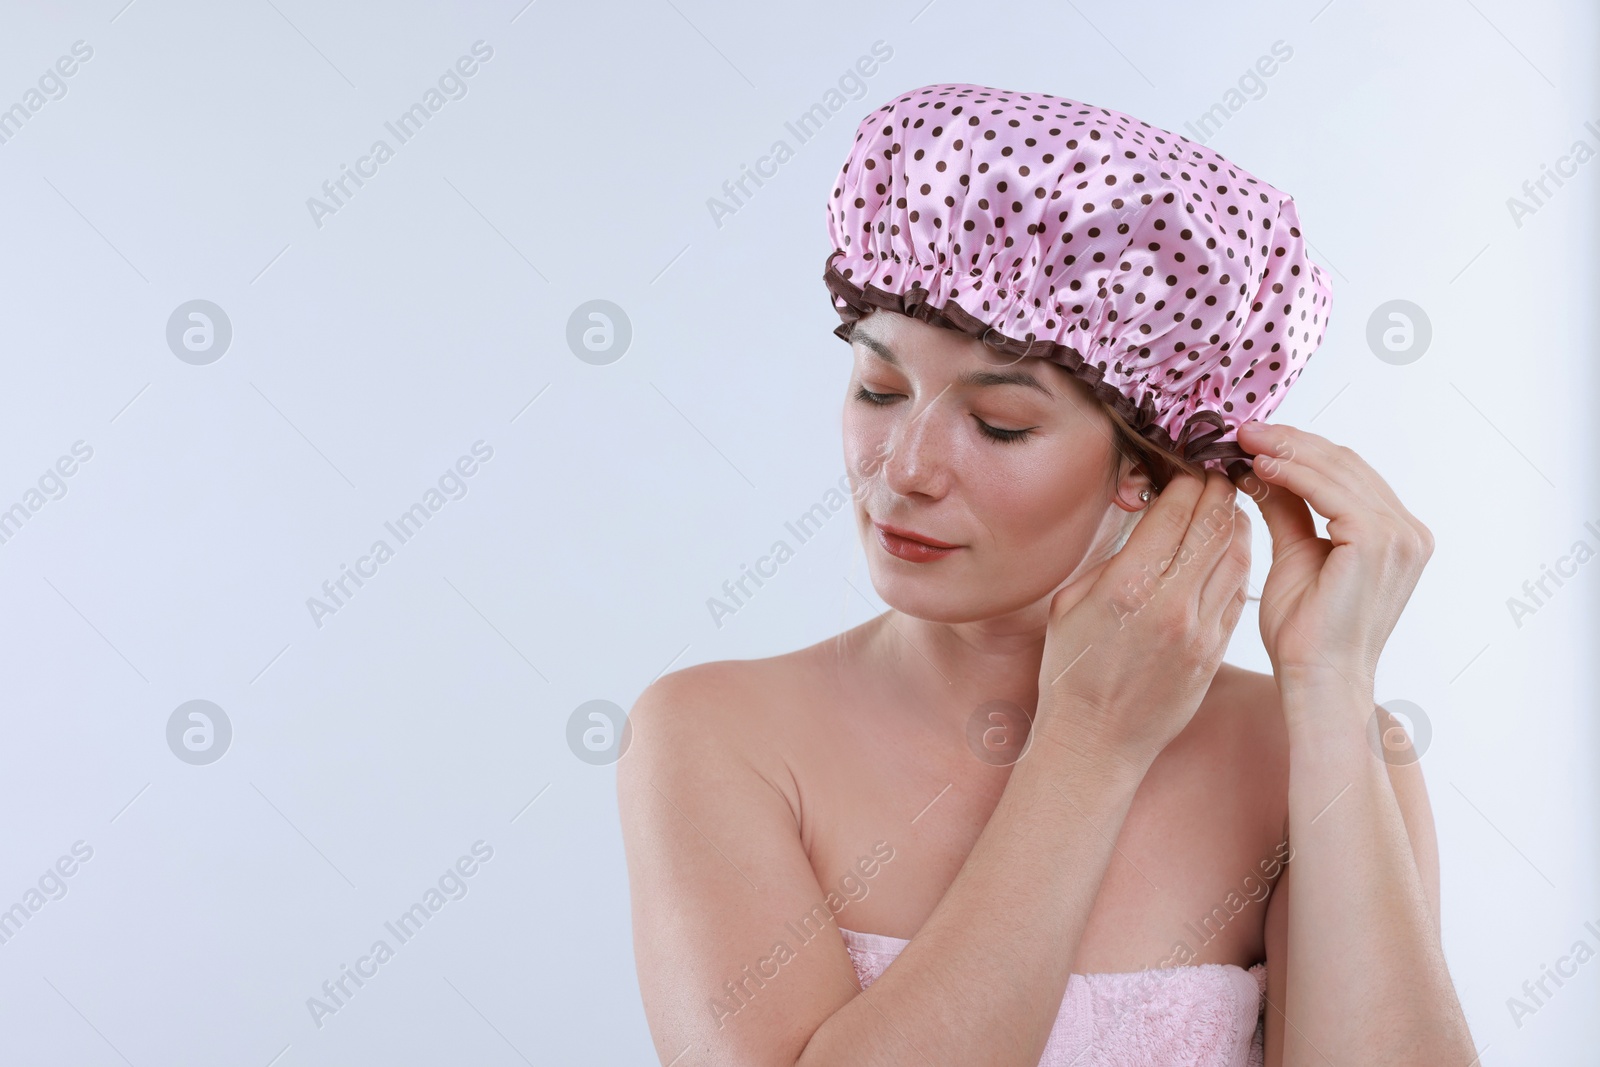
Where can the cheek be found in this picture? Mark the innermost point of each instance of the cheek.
(866, 442)
(1049, 501)
(1027, 508)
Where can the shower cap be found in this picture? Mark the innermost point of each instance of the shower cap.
(1171, 281)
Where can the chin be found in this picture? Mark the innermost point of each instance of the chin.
(921, 592)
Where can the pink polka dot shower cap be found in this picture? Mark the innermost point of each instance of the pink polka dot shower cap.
(1171, 281)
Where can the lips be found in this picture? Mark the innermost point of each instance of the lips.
(911, 547)
(912, 535)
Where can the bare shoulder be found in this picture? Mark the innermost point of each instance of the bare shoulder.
(722, 700)
(750, 704)
(699, 697)
(716, 863)
(707, 722)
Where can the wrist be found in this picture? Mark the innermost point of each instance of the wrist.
(1327, 735)
(1327, 714)
(1065, 738)
(1324, 682)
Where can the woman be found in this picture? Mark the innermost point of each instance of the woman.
(1027, 815)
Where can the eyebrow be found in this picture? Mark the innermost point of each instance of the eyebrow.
(971, 377)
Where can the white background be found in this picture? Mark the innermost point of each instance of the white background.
(370, 352)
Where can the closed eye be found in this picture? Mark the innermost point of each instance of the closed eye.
(994, 433)
(879, 399)
(998, 434)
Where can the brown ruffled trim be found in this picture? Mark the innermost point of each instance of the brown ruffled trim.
(1196, 443)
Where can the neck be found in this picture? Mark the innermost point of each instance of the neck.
(944, 672)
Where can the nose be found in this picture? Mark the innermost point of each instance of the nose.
(918, 459)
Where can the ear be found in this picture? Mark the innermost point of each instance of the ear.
(1131, 481)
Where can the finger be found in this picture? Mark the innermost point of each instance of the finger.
(1232, 610)
(1206, 540)
(1209, 532)
(1159, 531)
(1384, 513)
(1340, 463)
(1231, 575)
(1342, 506)
(1287, 516)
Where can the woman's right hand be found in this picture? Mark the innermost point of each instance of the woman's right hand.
(1132, 648)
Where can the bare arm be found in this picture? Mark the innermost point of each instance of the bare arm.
(719, 876)
(1353, 925)
(1410, 794)
(699, 822)
(1003, 938)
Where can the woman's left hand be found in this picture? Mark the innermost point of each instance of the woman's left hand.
(1329, 603)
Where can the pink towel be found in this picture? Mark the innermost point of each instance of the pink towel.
(1206, 1015)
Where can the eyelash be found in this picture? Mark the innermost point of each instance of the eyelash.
(994, 433)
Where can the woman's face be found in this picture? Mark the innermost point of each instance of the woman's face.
(954, 445)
